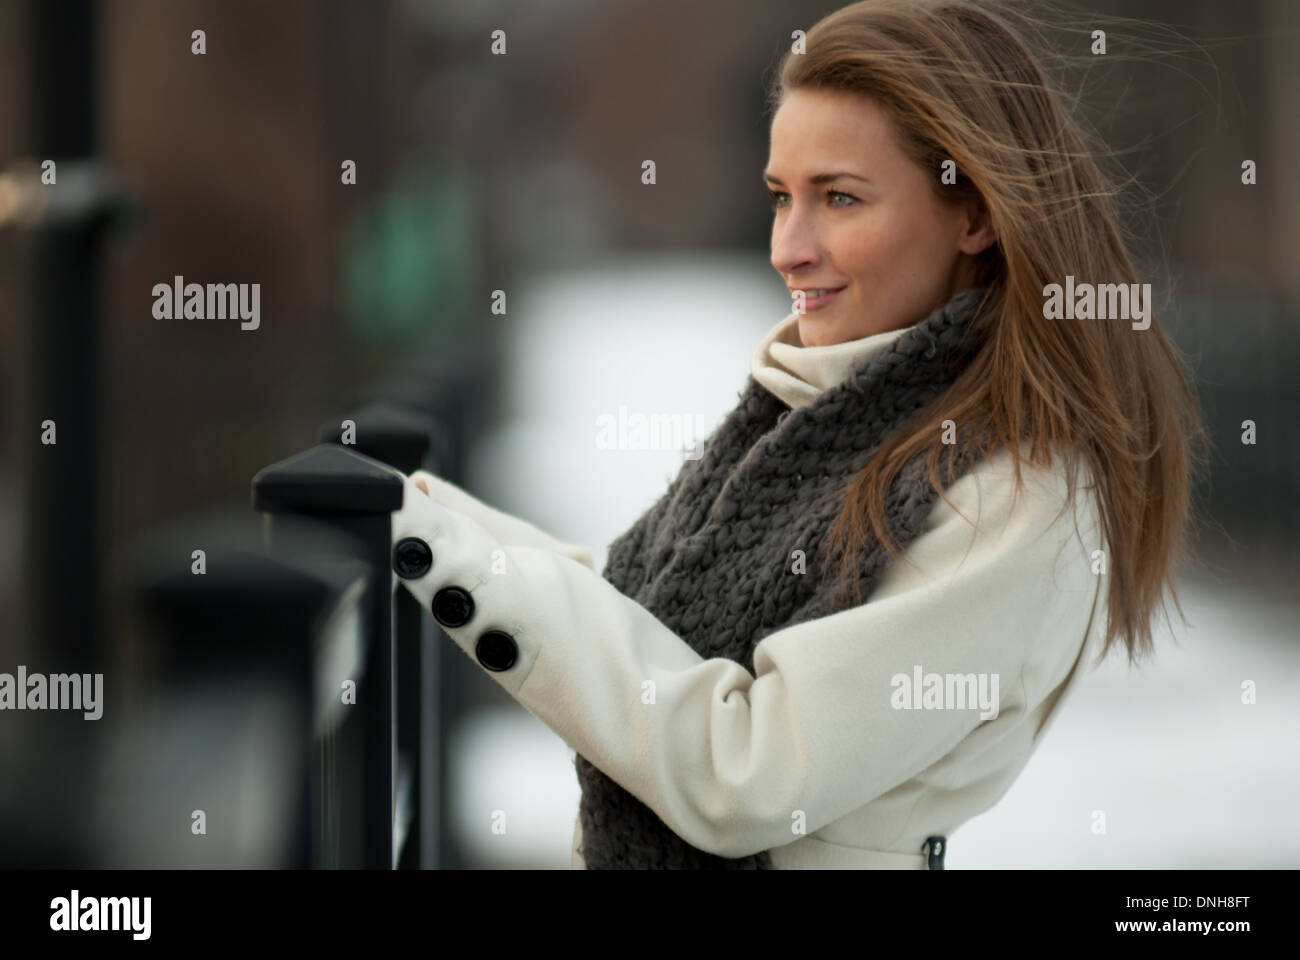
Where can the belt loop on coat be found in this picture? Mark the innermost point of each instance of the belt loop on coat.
(935, 847)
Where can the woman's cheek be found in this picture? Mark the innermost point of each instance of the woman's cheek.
(873, 247)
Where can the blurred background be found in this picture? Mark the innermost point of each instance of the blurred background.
(521, 173)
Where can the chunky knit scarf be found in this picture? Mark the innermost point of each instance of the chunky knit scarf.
(713, 558)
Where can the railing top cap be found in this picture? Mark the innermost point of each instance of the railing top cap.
(328, 479)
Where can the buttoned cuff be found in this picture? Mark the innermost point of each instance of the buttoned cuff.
(462, 574)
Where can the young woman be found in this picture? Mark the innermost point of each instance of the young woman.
(843, 629)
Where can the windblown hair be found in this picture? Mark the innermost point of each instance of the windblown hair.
(958, 83)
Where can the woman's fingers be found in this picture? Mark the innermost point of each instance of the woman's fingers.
(421, 480)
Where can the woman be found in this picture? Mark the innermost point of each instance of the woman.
(842, 631)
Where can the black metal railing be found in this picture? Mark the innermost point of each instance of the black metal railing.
(290, 713)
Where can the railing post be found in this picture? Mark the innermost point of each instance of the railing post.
(409, 440)
(242, 655)
(356, 495)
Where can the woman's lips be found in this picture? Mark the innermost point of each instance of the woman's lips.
(816, 303)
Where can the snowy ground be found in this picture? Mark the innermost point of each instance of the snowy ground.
(1185, 774)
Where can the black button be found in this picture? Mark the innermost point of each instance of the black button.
(452, 606)
(935, 847)
(496, 650)
(412, 558)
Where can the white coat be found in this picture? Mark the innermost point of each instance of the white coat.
(823, 756)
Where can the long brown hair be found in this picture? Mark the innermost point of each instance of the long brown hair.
(960, 84)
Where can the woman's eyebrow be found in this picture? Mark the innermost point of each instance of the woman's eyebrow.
(816, 178)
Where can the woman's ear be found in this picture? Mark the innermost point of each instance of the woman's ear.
(978, 233)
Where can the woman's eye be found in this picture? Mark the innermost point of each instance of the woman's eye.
(777, 196)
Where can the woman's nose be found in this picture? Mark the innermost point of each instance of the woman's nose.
(794, 245)
(790, 257)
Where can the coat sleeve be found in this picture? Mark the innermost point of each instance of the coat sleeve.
(730, 760)
(504, 527)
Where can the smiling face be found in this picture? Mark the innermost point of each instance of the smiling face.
(877, 231)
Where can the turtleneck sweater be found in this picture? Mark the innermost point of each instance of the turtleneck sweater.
(796, 373)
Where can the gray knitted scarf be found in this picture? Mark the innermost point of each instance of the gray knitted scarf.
(713, 558)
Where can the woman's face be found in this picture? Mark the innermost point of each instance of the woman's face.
(877, 230)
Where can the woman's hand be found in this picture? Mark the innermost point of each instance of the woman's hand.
(506, 528)
(421, 479)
